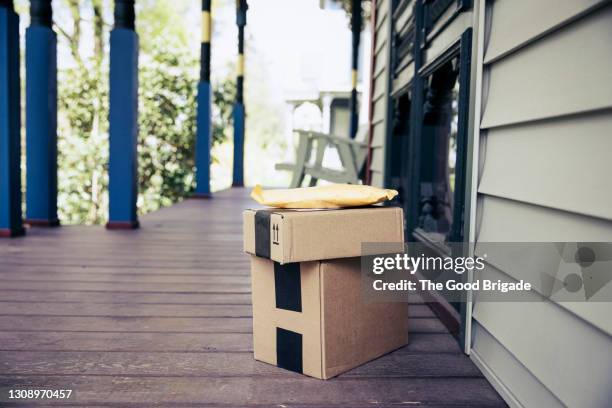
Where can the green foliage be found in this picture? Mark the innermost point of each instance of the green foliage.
(167, 127)
(82, 146)
(168, 75)
(167, 124)
(224, 95)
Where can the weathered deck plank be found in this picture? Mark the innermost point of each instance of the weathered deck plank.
(219, 364)
(263, 390)
(162, 316)
(170, 342)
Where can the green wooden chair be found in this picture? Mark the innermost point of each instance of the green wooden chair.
(352, 153)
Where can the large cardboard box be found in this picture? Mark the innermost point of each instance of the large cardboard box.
(312, 235)
(311, 318)
(309, 314)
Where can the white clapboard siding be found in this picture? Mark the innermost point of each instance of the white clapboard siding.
(448, 36)
(380, 91)
(545, 177)
(380, 63)
(402, 18)
(566, 72)
(378, 134)
(562, 351)
(507, 374)
(441, 21)
(379, 109)
(564, 164)
(518, 22)
(596, 312)
(377, 159)
(382, 12)
(403, 78)
(376, 178)
(505, 220)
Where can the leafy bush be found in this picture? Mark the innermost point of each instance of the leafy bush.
(167, 111)
(167, 124)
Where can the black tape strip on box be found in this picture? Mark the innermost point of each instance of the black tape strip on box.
(288, 286)
(262, 233)
(289, 350)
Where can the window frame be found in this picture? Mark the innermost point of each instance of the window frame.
(461, 49)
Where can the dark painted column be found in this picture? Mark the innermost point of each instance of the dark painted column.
(11, 224)
(239, 115)
(123, 132)
(41, 116)
(356, 22)
(204, 131)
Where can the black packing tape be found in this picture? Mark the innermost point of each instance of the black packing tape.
(262, 233)
(288, 286)
(289, 350)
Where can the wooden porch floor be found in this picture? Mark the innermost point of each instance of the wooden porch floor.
(162, 317)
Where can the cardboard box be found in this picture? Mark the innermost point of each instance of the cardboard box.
(288, 236)
(310, 317)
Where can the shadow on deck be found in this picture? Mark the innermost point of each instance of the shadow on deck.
(162, 316)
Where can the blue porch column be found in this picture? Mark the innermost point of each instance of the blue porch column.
(239, 115)
(356, 22)
(41, 117)
(11, 223)
(123, 116)
(204, 123)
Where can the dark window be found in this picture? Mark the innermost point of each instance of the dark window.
(439, 151)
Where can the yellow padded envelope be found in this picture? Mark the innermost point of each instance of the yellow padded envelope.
(328, 196)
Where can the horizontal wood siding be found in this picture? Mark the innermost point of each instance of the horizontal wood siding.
(402, 78)
(545, 176)
(448, 36)
(548, 164)
(378, 158)
(380, 92)
(402, 81)
(507, 373)
(534, 18)
(567, 72)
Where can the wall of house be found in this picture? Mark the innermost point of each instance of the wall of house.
(402, 60)
(544, 176)
(540, 146)
(380, 91)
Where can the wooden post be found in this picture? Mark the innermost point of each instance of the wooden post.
(123, 132)
(41, 116)
(239, 111)
(356, 22)
(11, 223)
(204, 122)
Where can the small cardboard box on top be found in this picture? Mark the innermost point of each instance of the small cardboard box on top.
(308, 312)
